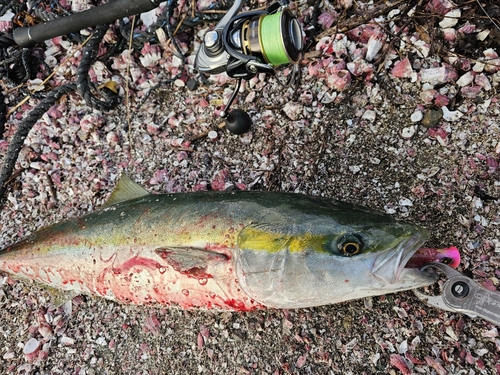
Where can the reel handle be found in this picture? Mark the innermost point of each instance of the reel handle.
(102, 14)
(237, 121)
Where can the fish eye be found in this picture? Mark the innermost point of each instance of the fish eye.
(350, 244)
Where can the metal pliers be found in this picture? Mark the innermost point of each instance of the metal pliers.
(462, 294)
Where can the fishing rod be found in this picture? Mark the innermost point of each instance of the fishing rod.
(101, 14)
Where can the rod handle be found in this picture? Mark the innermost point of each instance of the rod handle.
(102, 14)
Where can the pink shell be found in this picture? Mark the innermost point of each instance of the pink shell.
(307, 97)
(440, 6)
(442, 74)
(374, 45)
(31, 349)
(483, 81)
(336, 64)
(438, 132)
(490, 53)
(325, 44)
(346, 4)
(361, 33)
(359, 67)
(462, 64)
(5, 26)
(467, 29)
(339, 79)
(450, 34)
(470, 91)
(492, 66)
(314, 68)
(359, 53)
(219, 180)
(326, 19)
(428, 95)
(402, 69)
(441, 100)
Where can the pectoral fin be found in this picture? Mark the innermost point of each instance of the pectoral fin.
(191, 261)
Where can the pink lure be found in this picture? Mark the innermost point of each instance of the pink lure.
(449, 256)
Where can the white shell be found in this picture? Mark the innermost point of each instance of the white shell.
(451, 115)
(451, 18)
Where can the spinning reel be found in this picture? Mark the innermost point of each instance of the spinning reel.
(247, 44)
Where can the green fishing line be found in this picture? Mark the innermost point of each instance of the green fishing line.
(271, 36)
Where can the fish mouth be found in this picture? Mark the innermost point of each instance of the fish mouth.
(390, 265)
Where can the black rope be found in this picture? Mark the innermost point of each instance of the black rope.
(3, 114)
(22, 132)
(14, 57)
(83, 83)
(25, 55)
(6, 41)
(43, 14)
(5, 7)
(170, 11)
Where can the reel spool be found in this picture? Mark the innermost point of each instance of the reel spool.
(248, 44)
(259, 38)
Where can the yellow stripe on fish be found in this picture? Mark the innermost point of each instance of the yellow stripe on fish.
(253, 238)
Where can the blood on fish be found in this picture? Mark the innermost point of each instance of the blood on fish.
(240, 306)
(138, 261)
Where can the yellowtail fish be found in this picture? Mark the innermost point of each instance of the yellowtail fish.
(231, 250)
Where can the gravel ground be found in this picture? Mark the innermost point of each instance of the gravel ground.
(423, 149)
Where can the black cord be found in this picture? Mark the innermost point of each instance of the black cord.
(6, 41)
(13, 58)
(22, 132)
(3, 114)
(170, 11)
(25, 55)
(6, 7)
(83, 83)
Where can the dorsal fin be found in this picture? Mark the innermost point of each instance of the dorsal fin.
(125, 190)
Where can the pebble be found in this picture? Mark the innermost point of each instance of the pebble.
(192, 84)
(369, 115)
(31, 348)
(432, 117)
(179, 83)
(408, 132)
(416, 116)
(405, 202)
(212, 135)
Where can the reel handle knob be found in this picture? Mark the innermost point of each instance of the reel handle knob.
(238, 121)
